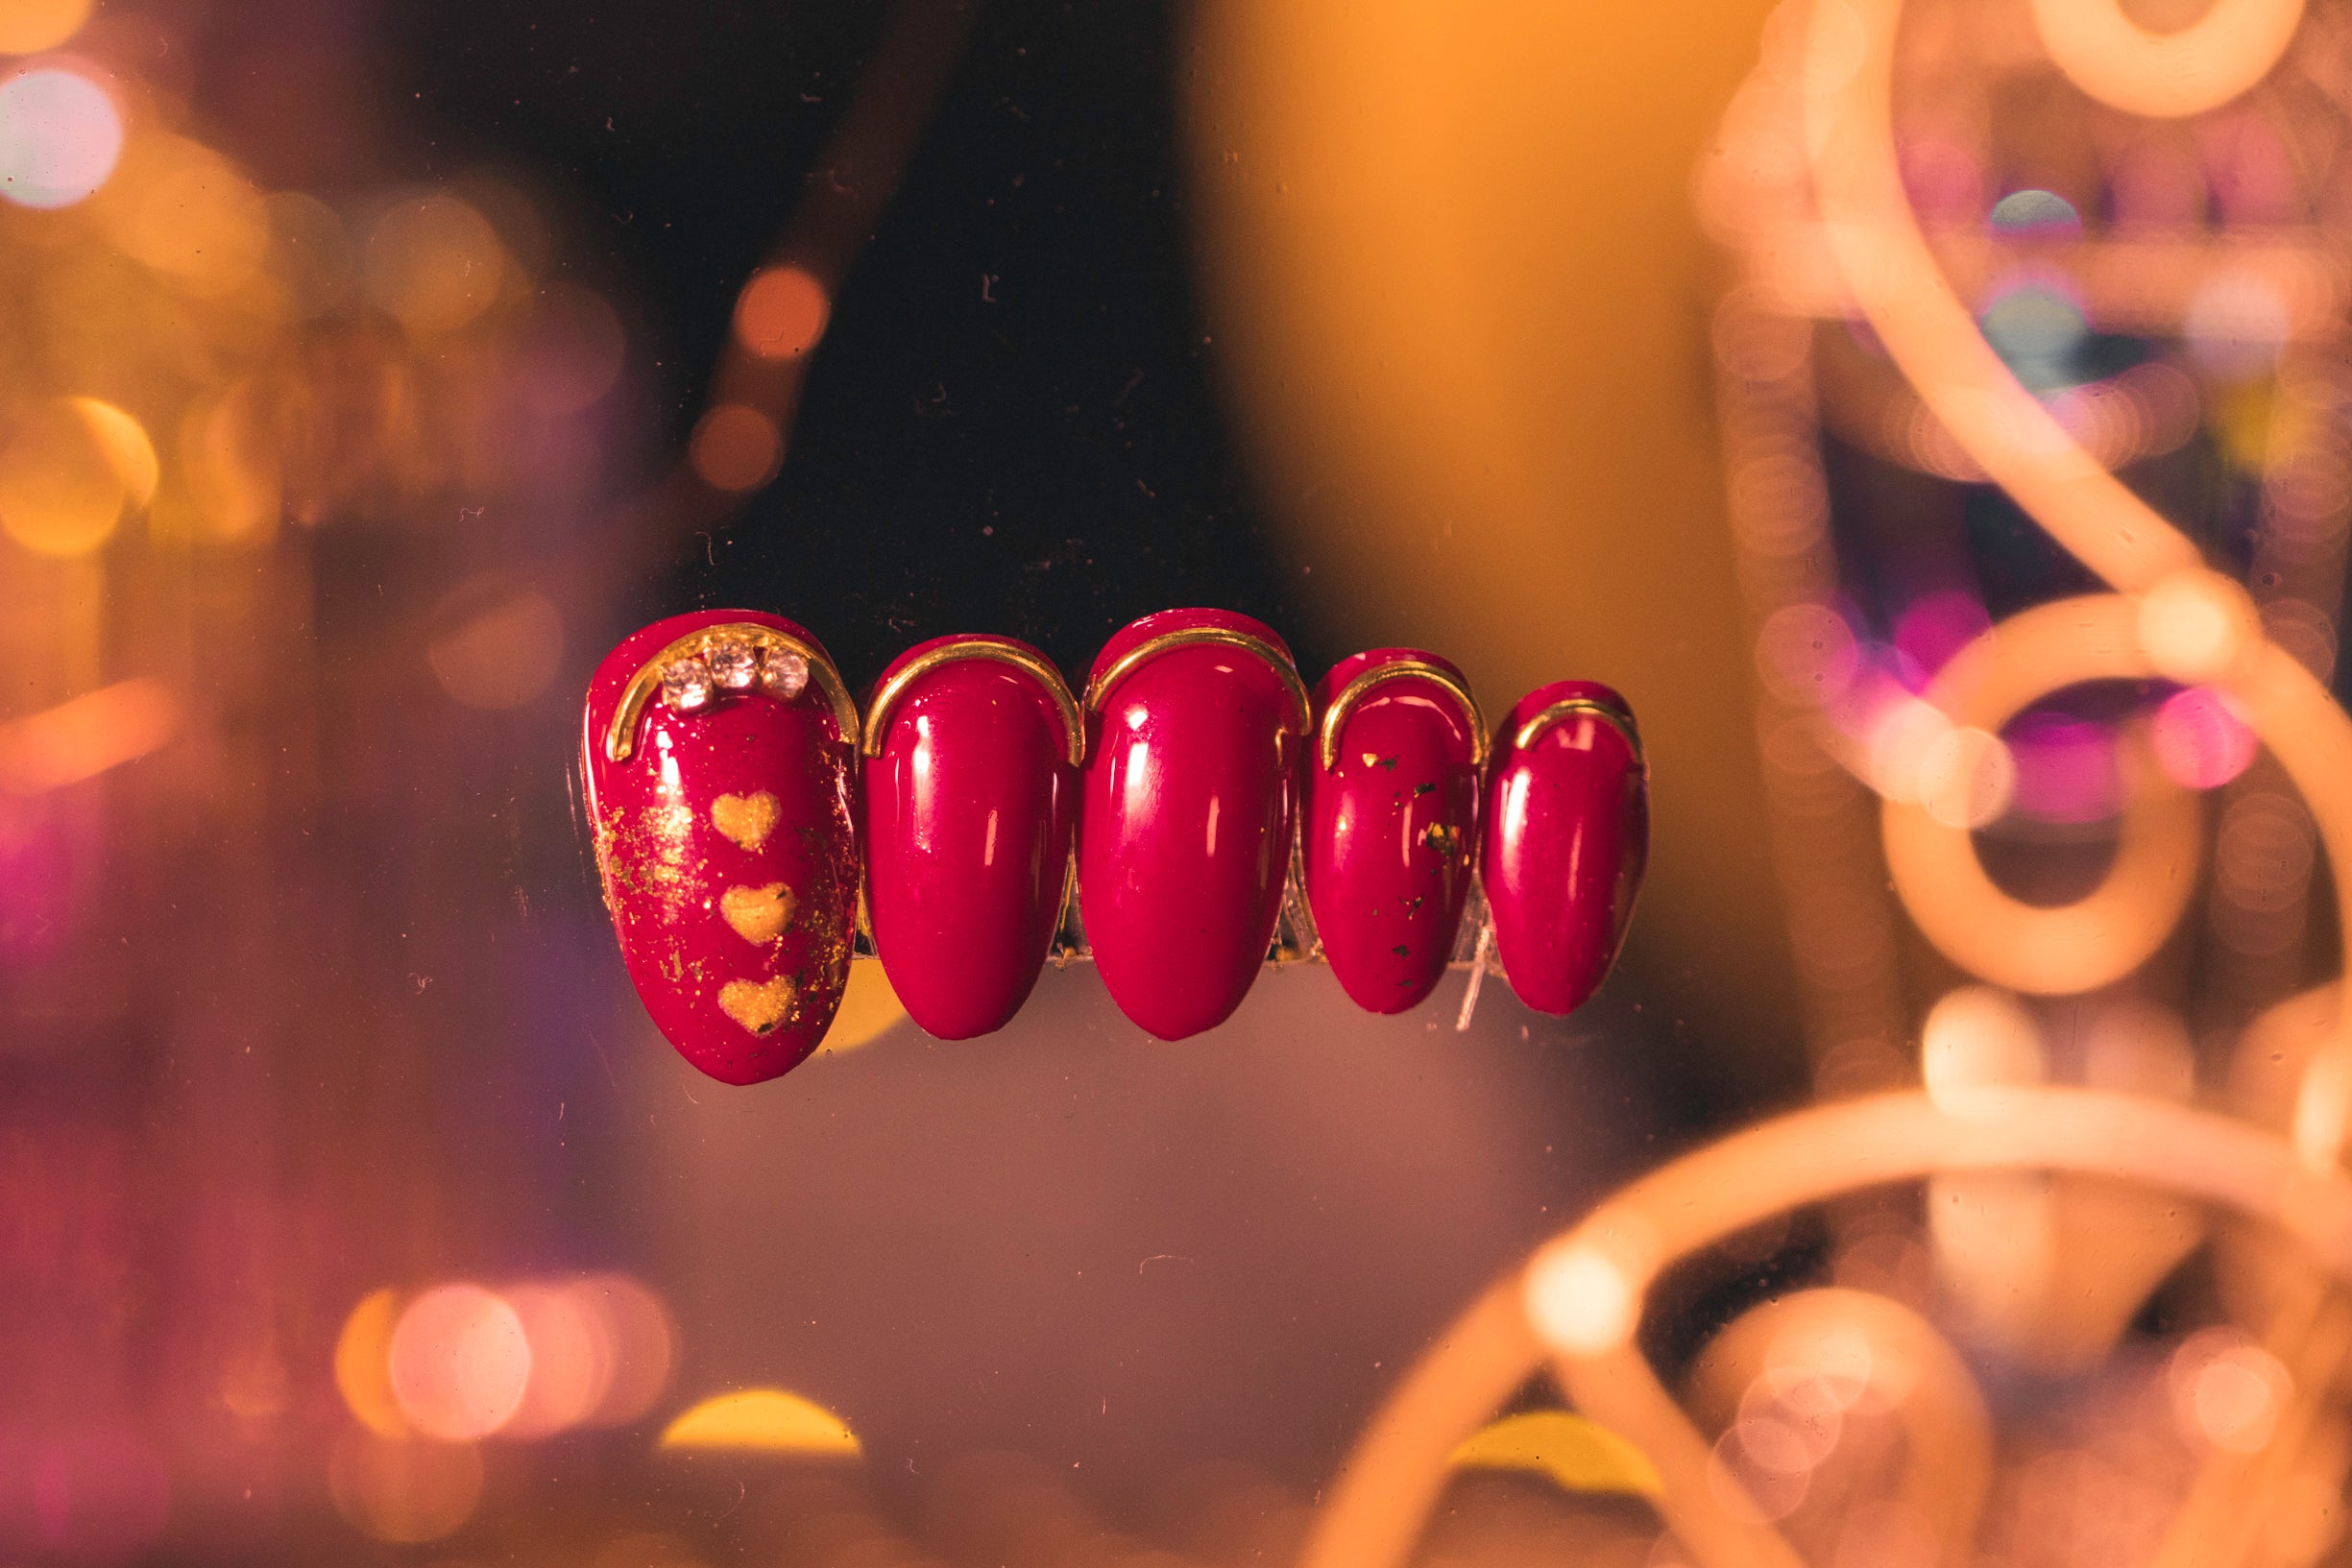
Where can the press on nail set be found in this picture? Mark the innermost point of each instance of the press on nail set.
(1195, 816)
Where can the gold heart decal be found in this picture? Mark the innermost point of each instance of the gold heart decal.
(746, 819)
(757, 913)
(759, 1005)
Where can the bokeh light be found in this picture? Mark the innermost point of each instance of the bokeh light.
(433, 263)
(2199, 742)
(404, 1490)
(363, 1363)
(646, 1346)
(736, 447)
(575, 1358)
(27, 27)
(2036, 214)
(1582, 1297)
(499, 643)
(2227, 1390)
(187, 212)
(67, 472)
(61, 134)
(1979, 1037)
(781, 313)
(459, 1362)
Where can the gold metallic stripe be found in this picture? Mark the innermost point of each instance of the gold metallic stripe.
(1153, 647)
(1074, 727)
(1335, 716)
(621, 736)
(1615, 718)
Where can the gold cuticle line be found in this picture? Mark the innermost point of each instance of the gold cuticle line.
(620, 735)
(1073, 724)
(1617, 718)
(1335, 716)
(1196, 635)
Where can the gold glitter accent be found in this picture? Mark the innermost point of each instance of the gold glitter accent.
(757, 913)
(759, 1005)
(1442, 836)
(746, 819)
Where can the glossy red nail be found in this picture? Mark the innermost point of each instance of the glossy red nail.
(972, 752)
(1565, 835)
(718, 754)
(1196, 720)
(1391, 817)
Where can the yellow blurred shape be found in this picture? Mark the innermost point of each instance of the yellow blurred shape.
(363, 1355)
(769, 1420)
(82, 738)
(1454, 276)
(404, 1490)
(187, 212)
(67, 471)
(736, 447)
(27, 27)
(1578, 1454)
(781, 313)
(869, 1006)
(2241, 416)
(434, 264)
(124, 442)
(227, 489)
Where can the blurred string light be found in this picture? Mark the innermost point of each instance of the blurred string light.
(82, 738)
(60, 133)
(460, 1363)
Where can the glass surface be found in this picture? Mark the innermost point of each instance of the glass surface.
(367, 371)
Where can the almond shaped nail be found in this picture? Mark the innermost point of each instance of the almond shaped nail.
(1392, 820)
(972, 752)
(1565, 835)
(718, 753)
(1196, 720)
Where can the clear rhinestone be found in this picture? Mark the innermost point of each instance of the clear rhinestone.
(734, 666)
(686, 684)
(783, 673)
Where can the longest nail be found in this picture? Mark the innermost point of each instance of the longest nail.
(718, 759)
(1196, 719)
(1567, 836)
(971, 750)
(1392, 815)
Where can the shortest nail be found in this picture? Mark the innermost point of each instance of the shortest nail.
(1567, 836)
